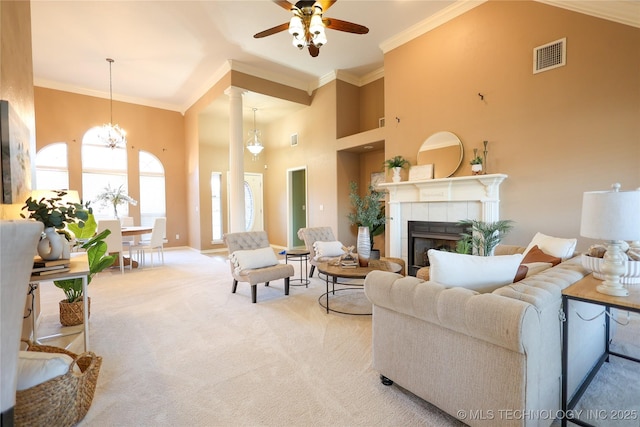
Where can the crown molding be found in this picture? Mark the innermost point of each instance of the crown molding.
(623, 12)
(434, 21)
(48, 84)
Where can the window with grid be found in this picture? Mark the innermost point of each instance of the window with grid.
(52, 169)
(152, 189)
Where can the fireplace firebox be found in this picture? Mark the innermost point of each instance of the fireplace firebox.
(425, 235)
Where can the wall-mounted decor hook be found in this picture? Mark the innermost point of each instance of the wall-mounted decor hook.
(481, 96)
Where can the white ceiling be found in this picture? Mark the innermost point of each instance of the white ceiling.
(168, 53)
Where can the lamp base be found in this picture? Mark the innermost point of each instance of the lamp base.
(612, 289)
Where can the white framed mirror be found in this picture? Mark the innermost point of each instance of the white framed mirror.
(444, 151)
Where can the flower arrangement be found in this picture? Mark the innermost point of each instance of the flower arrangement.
(114, 197)
(369, 210)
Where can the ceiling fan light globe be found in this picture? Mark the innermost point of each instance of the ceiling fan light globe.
(295, 26)
(316, 26)
(299, 42)
(319, 39)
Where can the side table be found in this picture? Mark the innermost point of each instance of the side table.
(585, 290)
(301, 255)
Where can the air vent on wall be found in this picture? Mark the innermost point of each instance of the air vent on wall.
(294, 139)
(549, 56)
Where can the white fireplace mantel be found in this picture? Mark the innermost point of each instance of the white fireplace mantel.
(444, 199)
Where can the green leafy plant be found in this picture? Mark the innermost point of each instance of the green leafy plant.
(369, 210)
(54, 212)
(476, 160)
(87, 231)
(481, 237)
(98, 261)
(396, 162)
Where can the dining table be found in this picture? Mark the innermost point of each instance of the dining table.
(136, 230)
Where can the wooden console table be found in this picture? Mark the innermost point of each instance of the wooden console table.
(79, 268)
(585, 290)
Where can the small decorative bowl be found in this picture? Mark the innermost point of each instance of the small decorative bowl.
(631, 277)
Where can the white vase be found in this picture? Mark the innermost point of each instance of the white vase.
(396, 175)
(476, 169)
(364, 246)
(50, 247)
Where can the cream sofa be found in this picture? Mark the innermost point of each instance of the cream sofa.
(486, 359)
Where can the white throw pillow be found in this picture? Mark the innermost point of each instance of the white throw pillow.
(36, 367)
(254, 258)
(480, 273)
(554, 246)
(327, 249)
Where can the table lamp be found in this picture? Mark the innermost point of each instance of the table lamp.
(613, 216)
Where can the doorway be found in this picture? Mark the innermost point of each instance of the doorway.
(297, 212)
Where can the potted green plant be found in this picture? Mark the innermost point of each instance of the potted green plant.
(482, 237)
(369, 213)
(396, 164)
(55, 213)
(114, 197)
(71, 308)
(476, 162)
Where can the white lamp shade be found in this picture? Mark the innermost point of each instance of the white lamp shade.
(316, 26)
(611, 215)
(295, 26)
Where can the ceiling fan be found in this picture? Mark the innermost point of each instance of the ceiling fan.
(307, 24)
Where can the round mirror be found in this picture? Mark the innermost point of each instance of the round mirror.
(444, 151)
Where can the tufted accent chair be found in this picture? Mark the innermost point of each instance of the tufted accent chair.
(255, 240)
(312, 235)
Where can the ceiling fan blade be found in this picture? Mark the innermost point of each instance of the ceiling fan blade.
(313, 50)
(326, 4)
(270, 31)
(349, 27)
(283, 4)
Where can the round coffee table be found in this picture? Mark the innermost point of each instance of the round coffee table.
(334, 271)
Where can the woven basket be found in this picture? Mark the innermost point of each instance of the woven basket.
(63, 400)
(72, 313)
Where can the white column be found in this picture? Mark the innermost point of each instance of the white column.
(236, 161)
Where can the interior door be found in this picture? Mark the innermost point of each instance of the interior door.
(297, 180)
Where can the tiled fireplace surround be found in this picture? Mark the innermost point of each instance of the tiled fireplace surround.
(444, 200)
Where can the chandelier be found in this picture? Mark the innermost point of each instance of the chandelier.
(253, 144)
(307, 28)
(112, 135)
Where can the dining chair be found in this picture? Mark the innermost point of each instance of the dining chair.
(114, 240)
(127, 221)
(156, 242)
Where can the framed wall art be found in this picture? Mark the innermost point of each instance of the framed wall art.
(15, 162)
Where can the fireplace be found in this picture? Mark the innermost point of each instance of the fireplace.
(425, 235)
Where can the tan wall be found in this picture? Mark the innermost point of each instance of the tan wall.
(556, 134)
(371, 104)
(65, 117)
(16, 82)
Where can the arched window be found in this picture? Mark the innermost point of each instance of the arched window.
(52, 169)
(152, 189)
(102, 167)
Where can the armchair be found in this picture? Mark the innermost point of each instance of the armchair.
(312, 235)
(17, 249)
(252, 260)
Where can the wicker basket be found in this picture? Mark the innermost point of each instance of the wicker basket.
(63, 400)
(72, 313)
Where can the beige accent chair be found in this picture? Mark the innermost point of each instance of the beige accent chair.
(18, 242)
(250, 240)
(114, 240)
(325, 234)
(310, 236)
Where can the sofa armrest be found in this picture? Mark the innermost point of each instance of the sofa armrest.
(505, 322)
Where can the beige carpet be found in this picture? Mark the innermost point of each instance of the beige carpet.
(180, 349)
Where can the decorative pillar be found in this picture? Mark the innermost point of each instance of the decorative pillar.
(236, 161)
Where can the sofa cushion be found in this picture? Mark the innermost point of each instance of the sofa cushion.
(254, 258)
(554, 246)
(479, 273)
(36, 367)
(327, 249)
